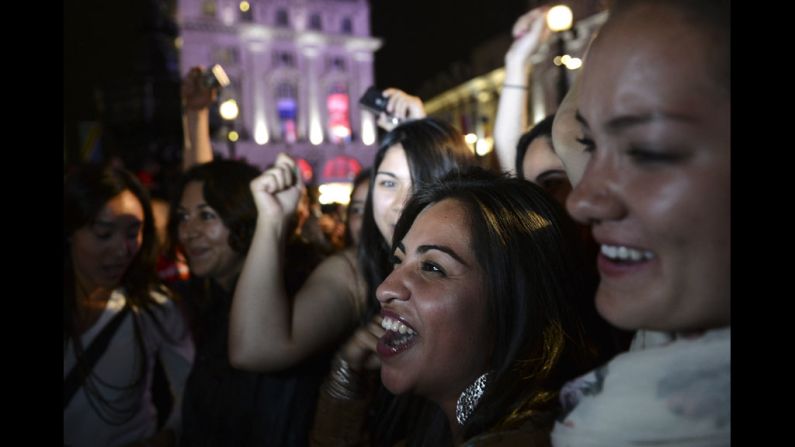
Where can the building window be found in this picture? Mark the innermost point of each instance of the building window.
(338, 108)
(347, 25)
(226, 56)
(338, 63)
(283, 59)
(287, 109)
(315, 22)
(282, 19)
(208, 8)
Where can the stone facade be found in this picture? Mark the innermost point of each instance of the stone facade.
(298, 68)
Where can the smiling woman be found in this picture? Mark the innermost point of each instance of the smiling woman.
(213, 219)
(481, 315)
(117, 316)
(655, 117)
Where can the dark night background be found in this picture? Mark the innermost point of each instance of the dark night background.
(113, 46)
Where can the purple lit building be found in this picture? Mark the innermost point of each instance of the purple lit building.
(297, 69)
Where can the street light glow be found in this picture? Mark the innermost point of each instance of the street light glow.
(229, 109)
(559, 18)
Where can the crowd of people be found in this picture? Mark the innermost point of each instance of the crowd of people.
(578, 297)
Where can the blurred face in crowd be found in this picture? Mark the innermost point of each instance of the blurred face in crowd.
(656, 187)
(543, 167)
(205, 238)
(433, 308)
(103, 250)
(356, 210)
(565, 134)
(391, 190)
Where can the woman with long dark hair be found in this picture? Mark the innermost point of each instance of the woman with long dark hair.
(117, 315)
(271, 330)
(480, 315)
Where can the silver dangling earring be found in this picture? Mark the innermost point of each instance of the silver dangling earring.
(469, 398)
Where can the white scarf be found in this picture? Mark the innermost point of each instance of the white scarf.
(663, 392)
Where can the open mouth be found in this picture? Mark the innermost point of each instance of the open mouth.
(398, 338)
(620, 260)
(624, 254)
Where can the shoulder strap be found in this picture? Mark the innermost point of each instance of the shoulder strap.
(74, 380)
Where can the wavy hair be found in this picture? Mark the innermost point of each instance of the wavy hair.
(535, 273)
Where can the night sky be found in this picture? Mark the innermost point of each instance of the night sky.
(106, 43)
(423, 37)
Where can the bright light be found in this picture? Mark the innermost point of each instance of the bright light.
(340, 132)
(574, 63)
(484, 96)
(233, 136)
(368, 129)
(335, 192)
(557, 61)
(315, 132)
(229, 109)
(559, 18)
(470, 138)
(484, 146)
(261, 133)
(565, 59)
(244, 6)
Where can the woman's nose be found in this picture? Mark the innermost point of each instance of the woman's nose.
(594, 198)
(392, 288)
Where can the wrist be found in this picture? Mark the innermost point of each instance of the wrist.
(343, 382)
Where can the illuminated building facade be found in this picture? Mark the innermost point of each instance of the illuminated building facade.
(298, 68)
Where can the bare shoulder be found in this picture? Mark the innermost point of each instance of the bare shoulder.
(339, 274)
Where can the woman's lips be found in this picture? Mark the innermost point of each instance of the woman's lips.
(399, 336)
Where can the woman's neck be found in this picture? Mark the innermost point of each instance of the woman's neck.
(90, 303)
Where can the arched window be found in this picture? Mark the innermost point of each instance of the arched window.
(287, 109)
(316, 22)
(208, 8)
(282, 19)
(347, 25)
(338, 108)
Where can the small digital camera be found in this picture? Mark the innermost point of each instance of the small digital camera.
(215, 77)
(374, 100)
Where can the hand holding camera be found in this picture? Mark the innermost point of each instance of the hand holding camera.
(200, 87)
(392, 106)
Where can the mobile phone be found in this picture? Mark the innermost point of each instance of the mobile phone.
(373, 100)
(215, 77)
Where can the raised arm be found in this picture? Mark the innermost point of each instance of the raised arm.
(511, 120)
(269, 331)
(196, 100)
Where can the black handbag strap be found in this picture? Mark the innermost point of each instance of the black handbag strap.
(74, 380)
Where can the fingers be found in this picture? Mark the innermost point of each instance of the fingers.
(527, 20)
(402, 105)
(360, 350)
(290, 167)
(387, 122)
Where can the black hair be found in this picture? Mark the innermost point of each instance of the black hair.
(535, 273)
(87, 189)
(433, 148)
(225, 186)
(362, 177)
(542, 129)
